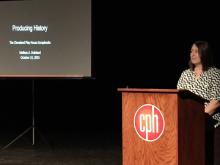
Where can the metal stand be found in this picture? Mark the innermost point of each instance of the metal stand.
(32, 127)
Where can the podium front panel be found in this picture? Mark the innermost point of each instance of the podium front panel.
(139, 151)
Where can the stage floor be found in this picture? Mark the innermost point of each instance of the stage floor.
(61, 148)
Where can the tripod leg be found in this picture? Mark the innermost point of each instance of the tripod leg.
(42, 137)
(16, 138)
(33, 135)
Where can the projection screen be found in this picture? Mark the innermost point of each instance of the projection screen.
(45, 38)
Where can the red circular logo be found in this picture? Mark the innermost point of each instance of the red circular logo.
(149, 122)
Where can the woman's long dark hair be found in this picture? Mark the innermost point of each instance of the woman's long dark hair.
(205, 54)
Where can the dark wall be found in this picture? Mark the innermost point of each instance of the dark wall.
(134, 45)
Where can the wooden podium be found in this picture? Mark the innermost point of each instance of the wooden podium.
(183, 139)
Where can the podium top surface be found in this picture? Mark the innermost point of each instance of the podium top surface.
(181, 92)
(148, 90)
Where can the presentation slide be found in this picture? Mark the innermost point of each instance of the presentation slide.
(45, 38)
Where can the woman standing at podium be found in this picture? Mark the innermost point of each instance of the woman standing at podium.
(203, 79)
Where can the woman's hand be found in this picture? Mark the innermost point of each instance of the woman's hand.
(212, 106)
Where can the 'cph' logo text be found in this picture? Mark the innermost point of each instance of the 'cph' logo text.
(149, 122)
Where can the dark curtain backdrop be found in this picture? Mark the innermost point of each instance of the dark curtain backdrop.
(134, 44)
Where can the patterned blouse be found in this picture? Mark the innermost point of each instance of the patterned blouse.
(207, 86)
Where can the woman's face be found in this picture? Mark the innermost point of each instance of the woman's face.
(194, 55)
